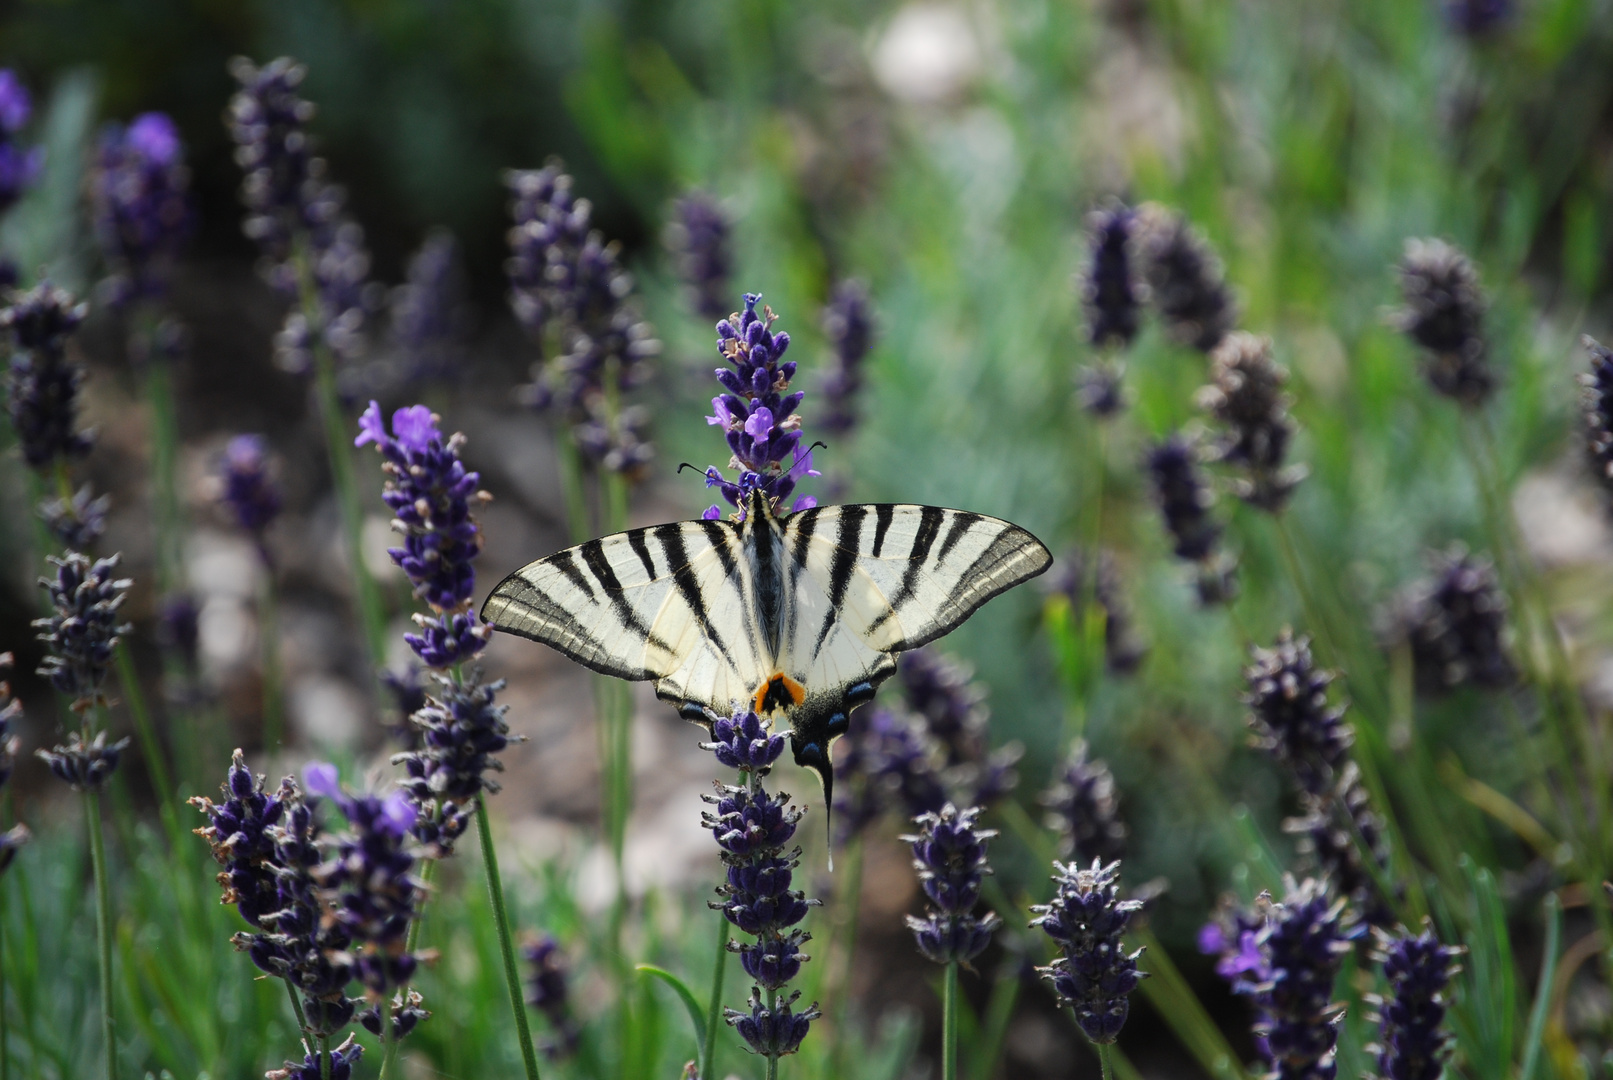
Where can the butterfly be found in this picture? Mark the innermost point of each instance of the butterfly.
(799, 618)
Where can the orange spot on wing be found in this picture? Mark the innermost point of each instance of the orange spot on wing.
(778, 692)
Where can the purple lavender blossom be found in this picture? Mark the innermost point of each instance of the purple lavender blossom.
(1455, 624)
(1246, 396)
(316, 1066)
(698, 237)
(949, 854)
(942, 692)
(84, 630)
(42, 390)
(1083, 809)
(1478, 18)
(567, 286)
(84, 764)
(549, 993)
(1303, 942)
(1185, 500)
(1100, 389)
(432, 495)
(460, 729)
(140, 197)
(297, 218)
(179, 628)
(249, 491)
(891, 764)
(1596, 404)
(12, 840)
(1290, 715)
(429, 317)
(756, 414)
(1444, 315)
(1094, 975)
(76, 523)
(848, 324)
(1412, 1042)
(1110, 291)
(368, 881)
(1185, 281)
(19, 168)
(752, 827)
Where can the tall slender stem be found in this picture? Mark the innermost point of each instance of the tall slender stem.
(949, 1024)
(512, 978)
(427, 871)
(5, 1033)
(103, 927)
(156, 761)
(324, 1057)
(708, 1052)
(1104, 1065)
(269, 632)
(850, 907)
(772, 1059)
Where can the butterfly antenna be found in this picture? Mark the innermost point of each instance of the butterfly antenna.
(686, 465)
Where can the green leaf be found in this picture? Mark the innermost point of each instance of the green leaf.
(696, 1012)
(1548, 973)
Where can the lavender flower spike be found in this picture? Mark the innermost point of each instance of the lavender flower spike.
(140, 193)
(313, 1065)
(1444, 314)
(1184, 279)
(1094, 975)
(752, 827)
(1304, 943)
(432, 495)
(949, 854)
(10, 712)
(1184, 501)
(547, 992)
(698, 237)
(758, 418)
(1412, 1043)
(1597, 408)
(1455, 623)
(429, 319)
(848, 323)
(19, 168)
(84, 631)
(42, 388)
(1110, 290)
(249, 492)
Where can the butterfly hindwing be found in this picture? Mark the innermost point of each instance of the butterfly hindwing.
(664, 603)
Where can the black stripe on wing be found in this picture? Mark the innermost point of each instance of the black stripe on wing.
(982, 581)
(534, 614)
(670, 537)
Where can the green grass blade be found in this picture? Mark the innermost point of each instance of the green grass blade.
(697, 1015)
(1548, 972)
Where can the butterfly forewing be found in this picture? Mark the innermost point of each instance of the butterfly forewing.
(903, 575)
(656, 603)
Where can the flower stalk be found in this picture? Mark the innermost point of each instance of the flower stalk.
(501, 920)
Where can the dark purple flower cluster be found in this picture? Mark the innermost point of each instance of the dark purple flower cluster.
(1083, 809)
(311, 250)
(431, 495)
(1093, 975)
(1478, 18)
(1290, 715)
(1303, 945)
(1292, 721)
(1412, 1041)
(76, 523)
(140, 192)
(753, 827)
(1455, 623)
(316, 1066)
(757, 414)
(368, 883)
(1233, 937)
(1110, 291)
(943, 694)
(1185, 500)
(698, 237)
(249, 492)
(82, 763)
(1099, 389)
(10, 712)
(1083, 580)
(1444, 314)
(1596, 403)
(949, 854)
(429, 318)
(460, 729)
(1246, 396)
(848, 323)
(42, 391)
(269, 846)
(548, 992)
(1184, 278)
(19, 167)
(566, 281)
(179, 628)
(890, 763)
(84, 630)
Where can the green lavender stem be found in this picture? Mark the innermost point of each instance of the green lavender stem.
(1103, 1062)
(103, 928)
(427, 871)
(269, 630)
(150, 745)
(5, 1032)
(512, 978)
(324, 1057)
(708, 1052)
(772, 1059)
(949, 1024)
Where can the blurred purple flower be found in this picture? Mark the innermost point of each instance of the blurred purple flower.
(42, 387)
(698, 237)
(140, 195)
(848, 323)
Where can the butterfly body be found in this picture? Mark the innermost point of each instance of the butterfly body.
(799, 619)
